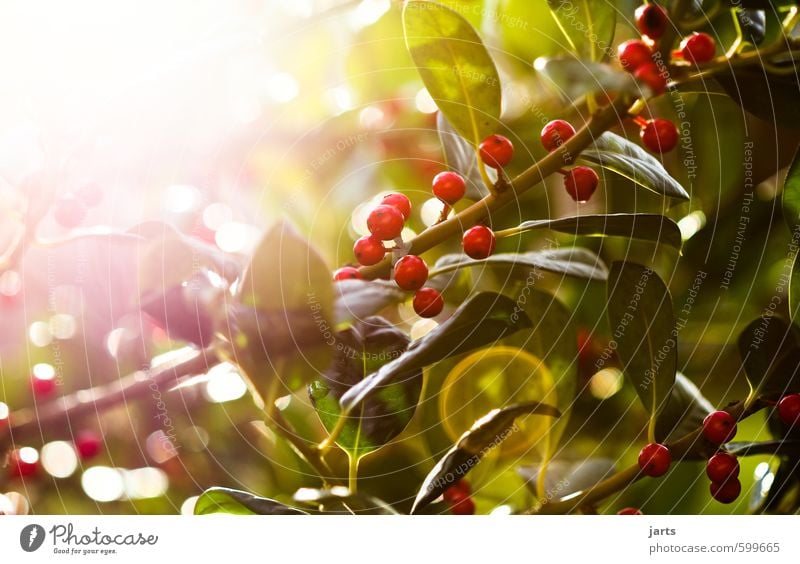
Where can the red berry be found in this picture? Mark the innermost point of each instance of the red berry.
(347, 273)
(23, 462)
(719, 427)
(698, 48)
(651, 76)
(726, 492)
(496, 151)
(629, 511)
(555, 133)
(651, 20)
(789, 409)
(580, 183)
(90, 194)
(399, 201)
(43, 387)
(4, 415)
(659, 135)
(722, 467)
(461, 503)
(449, 187)
(88, 444)
(633, 54)
(69, 211)
(428, 302)
(478, 242)
(369, 250)
(410, 273)
(654, 460)
(457, 491)
(385, 222)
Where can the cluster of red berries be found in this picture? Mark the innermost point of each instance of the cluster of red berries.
(580, 182)
(70, 209)
(22, 464)
(722, 469)
(458, 496)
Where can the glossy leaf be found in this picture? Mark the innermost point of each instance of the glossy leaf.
(566, 477)
(486, 434)
(572, 78)
(645, 226)
(362, 349)
(622, 157)
(791, 196)
(684, 412)
(770, 352)
(783, 447)
(339, 499)
(643, 327)
(482, 320)
(587, 25)
(461, 157)
(236, 502)
(753, 24)
(357, 299)
(455, 66)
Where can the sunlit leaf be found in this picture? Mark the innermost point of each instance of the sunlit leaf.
(461, 157)
(572, 78)
(236, 502)
(588, 26)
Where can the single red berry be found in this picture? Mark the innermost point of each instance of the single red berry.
(633, 54)
(789, 409)
(651, 20)
(496, 151)
(580, 183)
(347, 273)
(722, 467)
(428, 302)
(726, 492)
(449, 187)
(555, 133)
(478, 242)
(88, 444)
(651, 76)
(23, 462)
(369, 250)
(461, 503)
(90, 194)
(399, 201)
(654, 460)
(698, 48)
(659, 135)
(410, 273)
(629, 511)
(5, 412)
(719, 427)
(457, 491)
(385, 222)
(69, 211)
(43, 386)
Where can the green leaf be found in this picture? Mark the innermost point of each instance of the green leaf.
(339, 499)
(588, 26)
(482, 320)
(794, 289)
(645, 226)
(362, 349)
(782, 447)
(643, 327)
(790, 198)
(357, 299)
(753, 24)
(461, 157)
(684, 412)
(770, 352)
(236, 502)
(455, 66)
(486, 434)
(572, 78)
(566, 477)
(622, 157)
(771, 97)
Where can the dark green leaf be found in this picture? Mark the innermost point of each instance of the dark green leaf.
(455, 66)
(619, 155)
(791, 195)
(339, 499)
(643, 327)
(684, 411)
(588, 26)
(572, 78)
(461, 157)
(362, 349)
(481, 321)
(770, 352)
(770, 97)
(753, 24)
(486, 434)
(645, 226)
(565, 477)
(236, 502)
(794, 290)
(784, 446)
(357, 299)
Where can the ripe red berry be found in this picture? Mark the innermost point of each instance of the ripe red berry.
(496, 151)
(651, 76)
(633, 54)
(457, 491)
(88, 444)
(629, 511)
(410, 273)
(385, 222)
(654, 460)
(721, 467)
(461, 503)
(23, 462)
(478, 242)
(449, 187)
(428, 302)
(347, 273)
(580, 183)
(399, 201)
(719, 427)
(369, 250)
(659, 135)
(726, 492)
(698, 48)
(789, 409)
(4, 415)
(43, 386)
(555, 133)
(69, 211)
(651, 20)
